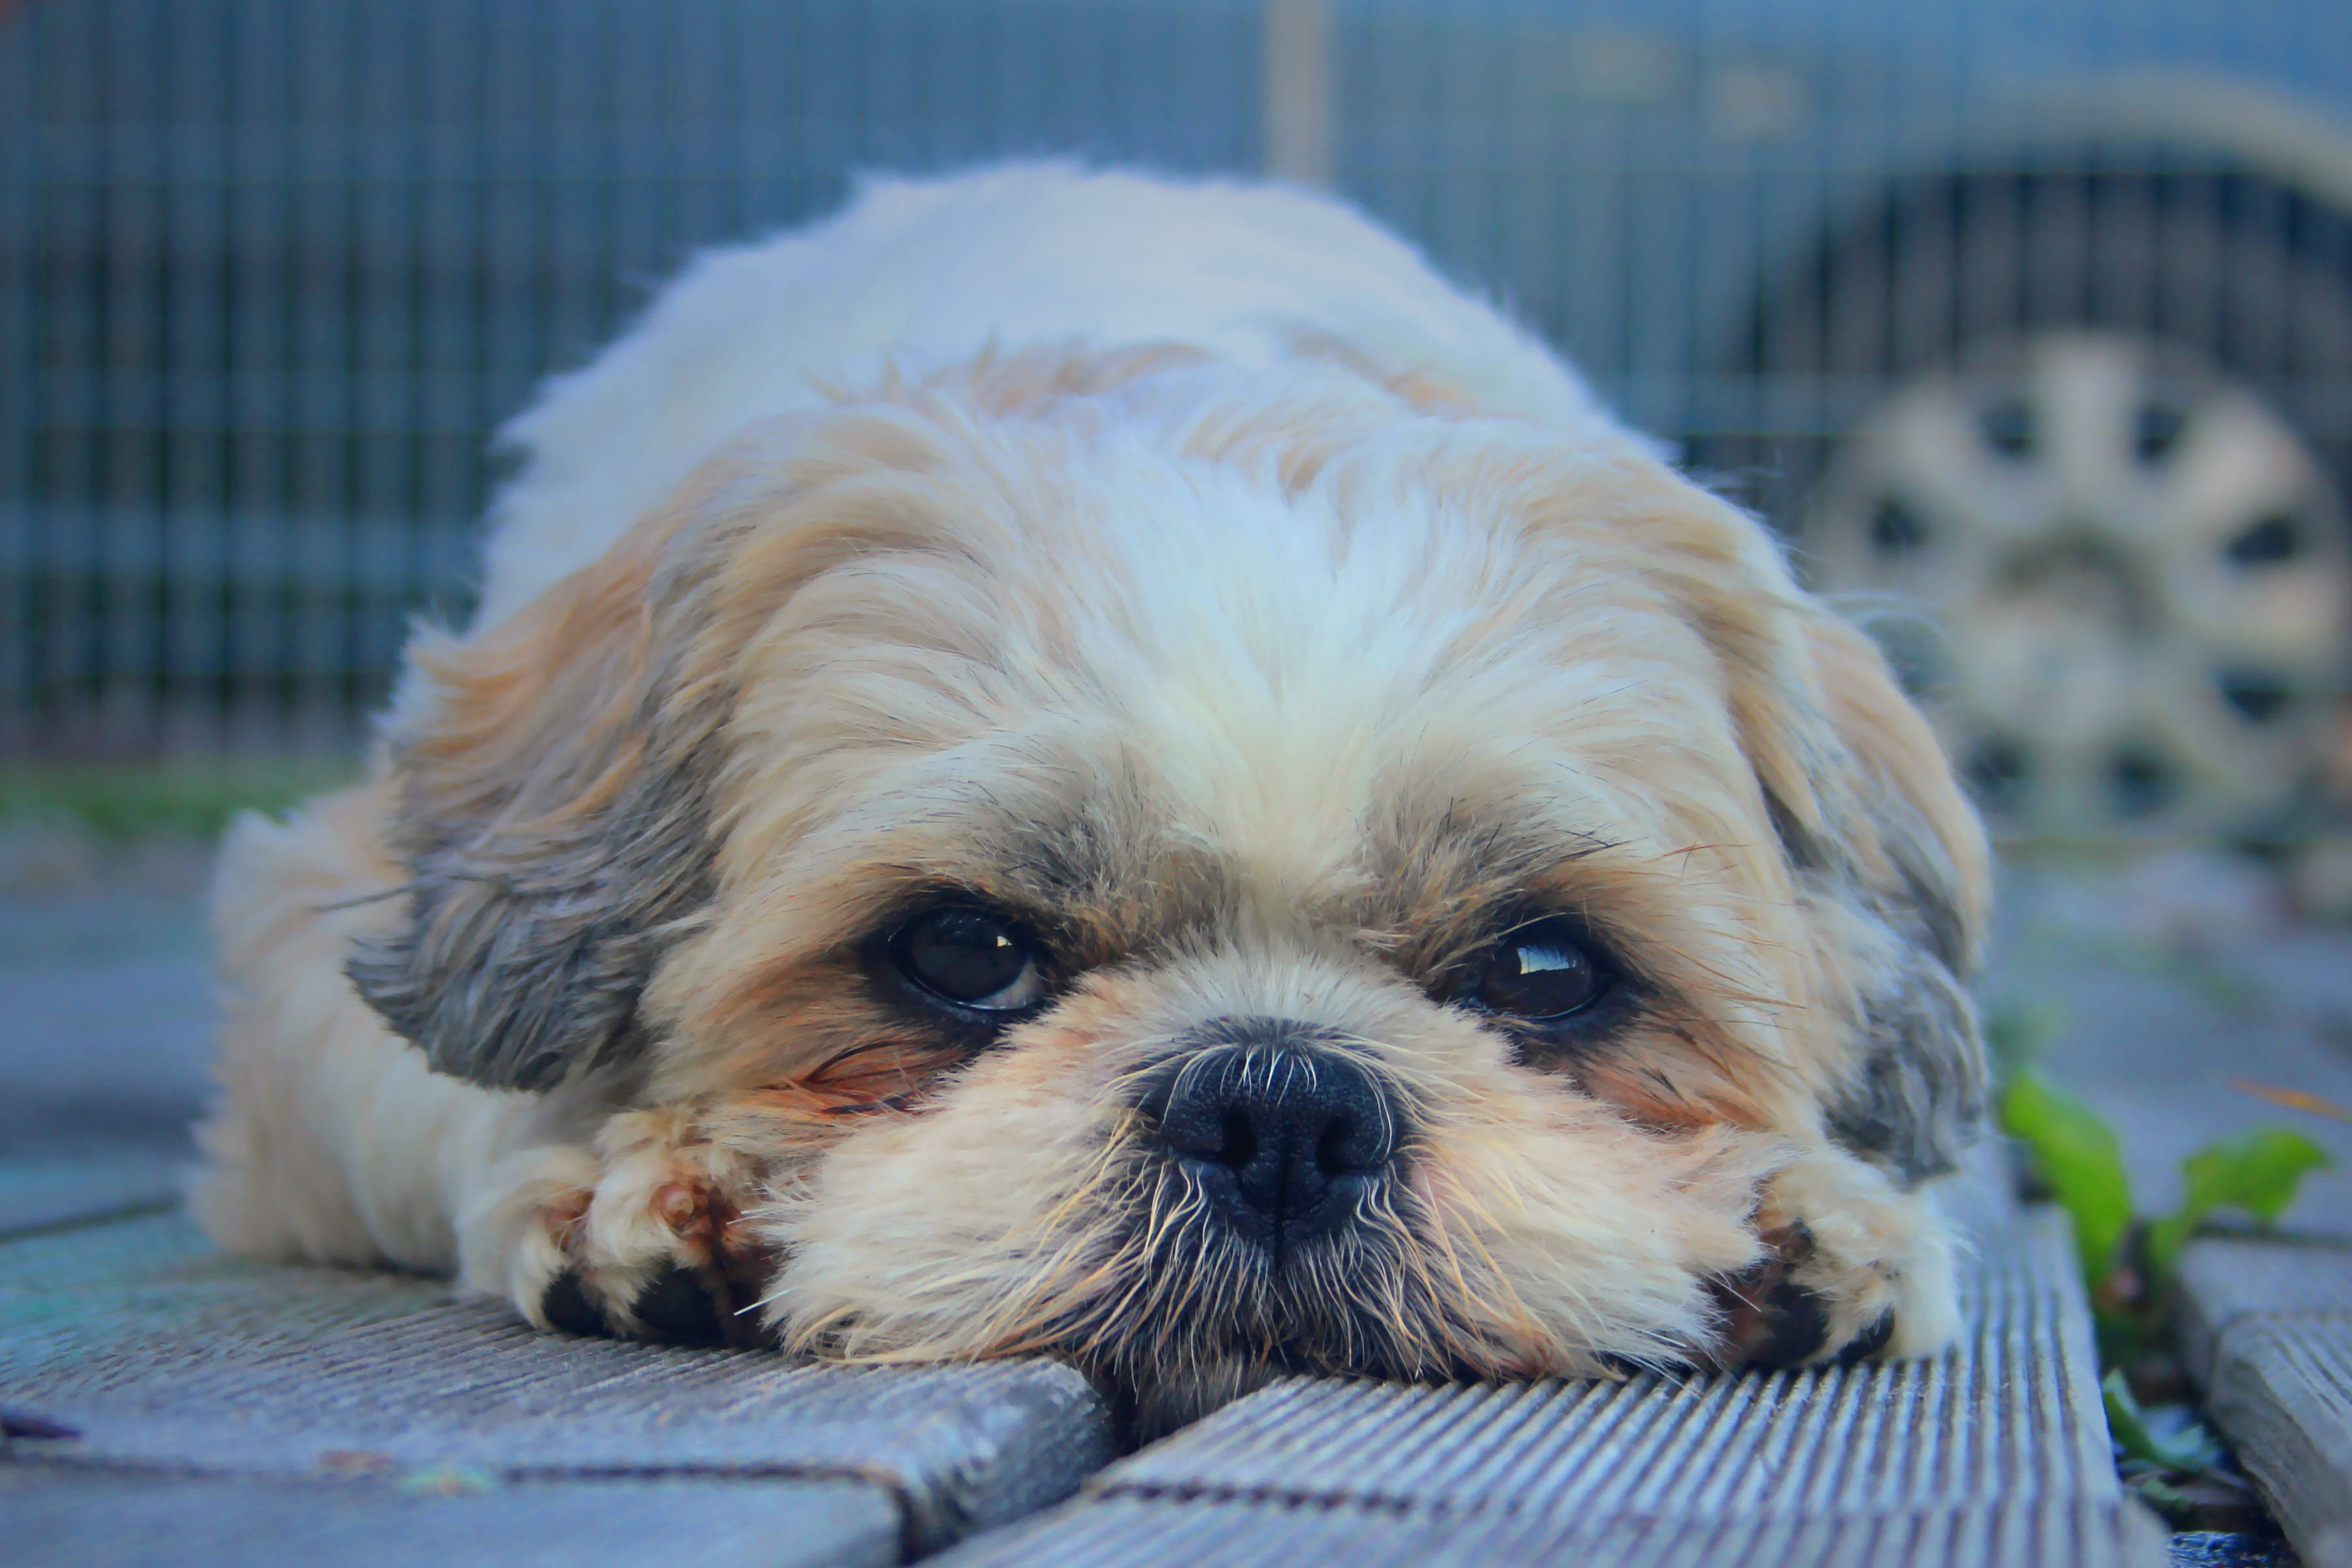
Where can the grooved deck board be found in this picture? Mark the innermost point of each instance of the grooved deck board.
(163, 1357)
(1139, 1532)
(2267, 1328)
(317, 1415)
(1994, 1454)
(99, 1517)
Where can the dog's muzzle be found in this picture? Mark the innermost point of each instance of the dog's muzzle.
(1286, 1136)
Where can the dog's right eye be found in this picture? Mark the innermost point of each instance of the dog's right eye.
(972, 957)
(1544, 972)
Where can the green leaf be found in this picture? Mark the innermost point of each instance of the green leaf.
(2177, 1508)
(2075, 1154)
(2259, 1172)
(2191, 1449)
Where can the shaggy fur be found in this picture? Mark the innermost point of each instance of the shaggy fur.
(1189, 573)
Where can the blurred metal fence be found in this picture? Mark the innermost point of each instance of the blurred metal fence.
(270, 270)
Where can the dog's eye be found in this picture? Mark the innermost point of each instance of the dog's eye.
(973, 958)
(1540, 972)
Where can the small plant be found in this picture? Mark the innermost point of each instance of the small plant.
(2131, 1264)
(2128, 1262)
(2171, 1459)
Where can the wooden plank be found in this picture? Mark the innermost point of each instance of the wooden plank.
(1994, 1454)
(159, 1354)
(2282, 1390)
(2227, 1280)
(40, 1194)
(1144, 1534)
(76, 1517)
(2267, 1328)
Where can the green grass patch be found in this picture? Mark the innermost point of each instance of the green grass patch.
(122, 802)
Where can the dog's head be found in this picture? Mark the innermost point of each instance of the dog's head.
(1204, 875)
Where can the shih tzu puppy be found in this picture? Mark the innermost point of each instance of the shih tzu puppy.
(1066, 763)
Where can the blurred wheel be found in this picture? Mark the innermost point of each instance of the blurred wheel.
(2136, 590)
(2090, 419)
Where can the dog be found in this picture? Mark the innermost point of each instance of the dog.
(1070, 763)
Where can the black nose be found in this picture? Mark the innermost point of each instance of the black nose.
(1287, 1138)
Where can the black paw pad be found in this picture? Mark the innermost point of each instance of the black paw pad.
(678, 1308)
(1790, 1326)
(1769, 1320)
(1870, 1342)
(568, 1305)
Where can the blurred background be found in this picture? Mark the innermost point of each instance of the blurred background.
(2032, 322)
(2029, 322)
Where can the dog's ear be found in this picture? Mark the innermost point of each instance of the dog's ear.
(1886, 857)
(1894, 865)
(554, 775)
(551, 811)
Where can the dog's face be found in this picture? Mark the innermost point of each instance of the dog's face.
(1204, 880)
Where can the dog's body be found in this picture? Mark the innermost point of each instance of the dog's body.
(1069, 763)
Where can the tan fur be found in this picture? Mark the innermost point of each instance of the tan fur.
(1268, 699)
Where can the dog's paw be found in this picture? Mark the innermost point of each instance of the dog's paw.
(1785, 1310)
(643, 1237)
(1857, 1269)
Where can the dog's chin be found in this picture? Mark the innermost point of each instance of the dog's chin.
(1221, 1314)
(1152, 1398)
(1150, 1401)
(1150, 1410)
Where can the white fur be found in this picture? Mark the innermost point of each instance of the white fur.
(333, 1141)
(923, 273)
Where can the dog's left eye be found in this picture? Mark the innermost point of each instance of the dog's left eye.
(973, 958)
(1542, 971)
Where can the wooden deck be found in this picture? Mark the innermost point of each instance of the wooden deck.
(1994, 1455)
(173, 1406)
(2268, 1332)
(169, 1405)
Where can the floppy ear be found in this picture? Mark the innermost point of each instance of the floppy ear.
(555, 783)
(1889, 860)
(1895, 863)
(551, 811)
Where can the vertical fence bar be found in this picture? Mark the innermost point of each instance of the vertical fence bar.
(1299, 108)
(22, 226)
(191, 501)
(71, 539)
(258, 255)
